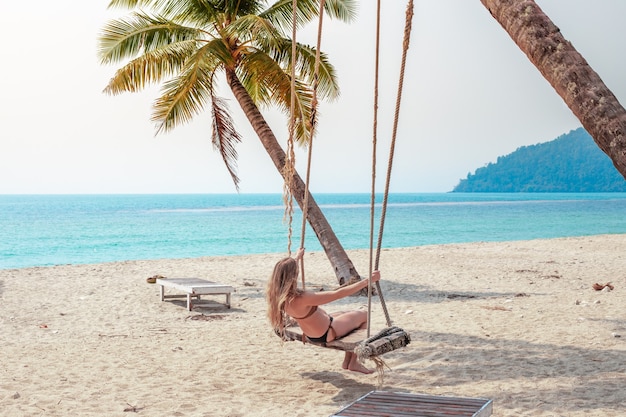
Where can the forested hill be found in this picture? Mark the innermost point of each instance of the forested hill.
(570, 163)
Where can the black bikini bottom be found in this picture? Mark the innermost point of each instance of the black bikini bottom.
(322, 338)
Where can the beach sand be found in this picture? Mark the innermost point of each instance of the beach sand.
(515, 322)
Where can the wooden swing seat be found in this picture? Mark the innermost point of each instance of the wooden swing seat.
(393, 339)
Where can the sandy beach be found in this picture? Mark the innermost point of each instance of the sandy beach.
(516, 322)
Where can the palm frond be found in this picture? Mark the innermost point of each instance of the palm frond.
(238, 8)
(151, 68)
(268, 84)
(197, 8)
(258, 73)
(342, 10)
(328, 85)
(125, 4)
(185, 96)
(253, 28)
(225, 137)
(201, 13)
(280, 13)
(302, 111)
(126, 38)
(156, 5)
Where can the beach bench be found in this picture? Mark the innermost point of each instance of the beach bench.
(192, 289)
(383, 403)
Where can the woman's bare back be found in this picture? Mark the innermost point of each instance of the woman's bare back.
(313, 325)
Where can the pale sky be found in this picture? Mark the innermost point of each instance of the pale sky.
(470, 95)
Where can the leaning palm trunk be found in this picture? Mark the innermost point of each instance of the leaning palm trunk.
(568, 72)
(344, 269)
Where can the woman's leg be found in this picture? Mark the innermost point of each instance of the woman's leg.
(351, 362)
(344, 323)
(346, 360)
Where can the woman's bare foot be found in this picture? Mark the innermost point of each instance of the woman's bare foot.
(346, 360)
(356, 366)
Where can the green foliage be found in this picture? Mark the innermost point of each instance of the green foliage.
(571, 163)
(186, 46)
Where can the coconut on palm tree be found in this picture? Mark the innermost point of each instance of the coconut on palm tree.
(189, 46)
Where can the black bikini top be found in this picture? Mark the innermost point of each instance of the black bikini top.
(309, 314)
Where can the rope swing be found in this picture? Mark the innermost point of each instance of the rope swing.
(290, 163)
(313, 123)
(392, 337)
(405, 48)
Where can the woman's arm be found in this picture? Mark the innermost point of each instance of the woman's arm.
(325, 297)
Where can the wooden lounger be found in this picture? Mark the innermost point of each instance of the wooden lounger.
(397, 404)
(193, 288)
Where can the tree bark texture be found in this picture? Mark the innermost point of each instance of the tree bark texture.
(344, 269)
(568, 72)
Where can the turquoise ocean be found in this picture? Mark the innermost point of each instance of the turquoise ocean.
(44, 230)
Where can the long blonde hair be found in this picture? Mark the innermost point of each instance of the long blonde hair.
(281, 288)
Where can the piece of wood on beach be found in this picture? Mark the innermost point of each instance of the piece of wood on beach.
(398, 404)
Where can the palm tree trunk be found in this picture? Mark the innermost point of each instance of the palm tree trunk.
(344, 269)
(568, 72)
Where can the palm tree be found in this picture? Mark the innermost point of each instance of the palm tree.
(187, 44)
(568, 72)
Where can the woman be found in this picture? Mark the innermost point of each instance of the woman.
(286, 299)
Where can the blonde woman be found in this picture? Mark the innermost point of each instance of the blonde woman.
(286, 299)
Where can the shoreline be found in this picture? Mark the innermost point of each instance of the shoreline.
(517, 322)
(278, 255)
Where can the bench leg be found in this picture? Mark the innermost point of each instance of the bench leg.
(189, 306)
(162, 292)
(228, 299)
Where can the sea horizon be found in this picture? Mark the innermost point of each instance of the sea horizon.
(58, 229)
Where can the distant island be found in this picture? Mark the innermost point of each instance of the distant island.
(569, 163)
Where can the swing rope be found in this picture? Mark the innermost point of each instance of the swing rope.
(405, 48)
(313, 123)
(289, 167)
(373, 185)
